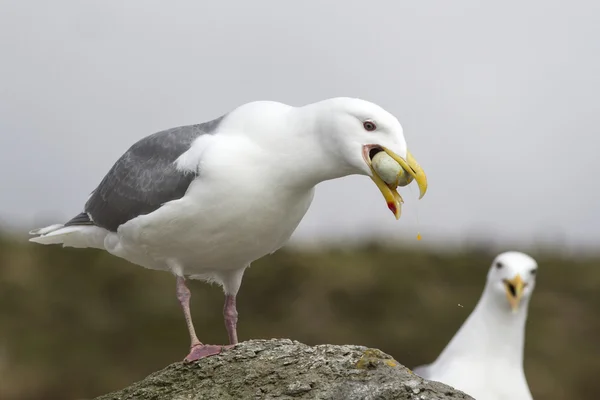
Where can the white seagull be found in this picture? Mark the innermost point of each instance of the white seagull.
(204, 201)
(485, 357)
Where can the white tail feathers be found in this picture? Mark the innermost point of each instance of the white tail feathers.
(79, 236)
(46, 230)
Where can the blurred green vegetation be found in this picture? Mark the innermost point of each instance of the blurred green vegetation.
(78, 323)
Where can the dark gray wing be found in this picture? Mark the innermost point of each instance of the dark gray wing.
(144, 178)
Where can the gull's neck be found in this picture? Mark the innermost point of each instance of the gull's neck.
(309, 147)
(297, 140)
(492, 332)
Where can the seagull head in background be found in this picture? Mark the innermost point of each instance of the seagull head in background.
(485, 357)
(511, 280)
(204, 201)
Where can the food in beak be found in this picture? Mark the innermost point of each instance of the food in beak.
(389, 171)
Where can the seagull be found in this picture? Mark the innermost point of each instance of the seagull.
(485, 357)
(204, 201)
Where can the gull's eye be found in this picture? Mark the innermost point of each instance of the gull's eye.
(533, 271)
(499, 265)
(369, 126)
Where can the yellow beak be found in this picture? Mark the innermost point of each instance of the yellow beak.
(514, 291)
(412, 170)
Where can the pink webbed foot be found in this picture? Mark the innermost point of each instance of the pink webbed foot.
(205, 350)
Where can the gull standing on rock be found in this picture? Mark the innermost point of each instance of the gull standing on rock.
(204, 201)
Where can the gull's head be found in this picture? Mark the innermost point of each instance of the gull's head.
(511, 279)
(355, 131)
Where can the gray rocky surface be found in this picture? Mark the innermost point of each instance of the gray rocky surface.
(285, 370)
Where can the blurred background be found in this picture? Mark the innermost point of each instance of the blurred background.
(498, 102)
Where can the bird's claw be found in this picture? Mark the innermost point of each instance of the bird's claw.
(205, 350)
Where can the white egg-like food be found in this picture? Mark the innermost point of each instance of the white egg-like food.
(386, 167)
(389, 170)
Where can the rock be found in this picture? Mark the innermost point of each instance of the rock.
(283, 369)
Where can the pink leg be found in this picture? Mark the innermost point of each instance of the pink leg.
(231, 316)
(197, 349)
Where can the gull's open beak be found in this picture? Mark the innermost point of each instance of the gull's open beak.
(514, 291)
(410, 166)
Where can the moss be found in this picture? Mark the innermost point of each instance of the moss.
(373, 358)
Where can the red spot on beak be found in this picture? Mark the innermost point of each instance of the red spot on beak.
(392, 207)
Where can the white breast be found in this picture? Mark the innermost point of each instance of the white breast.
(483, 380)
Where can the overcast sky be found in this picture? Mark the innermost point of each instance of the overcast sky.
(498, 101)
